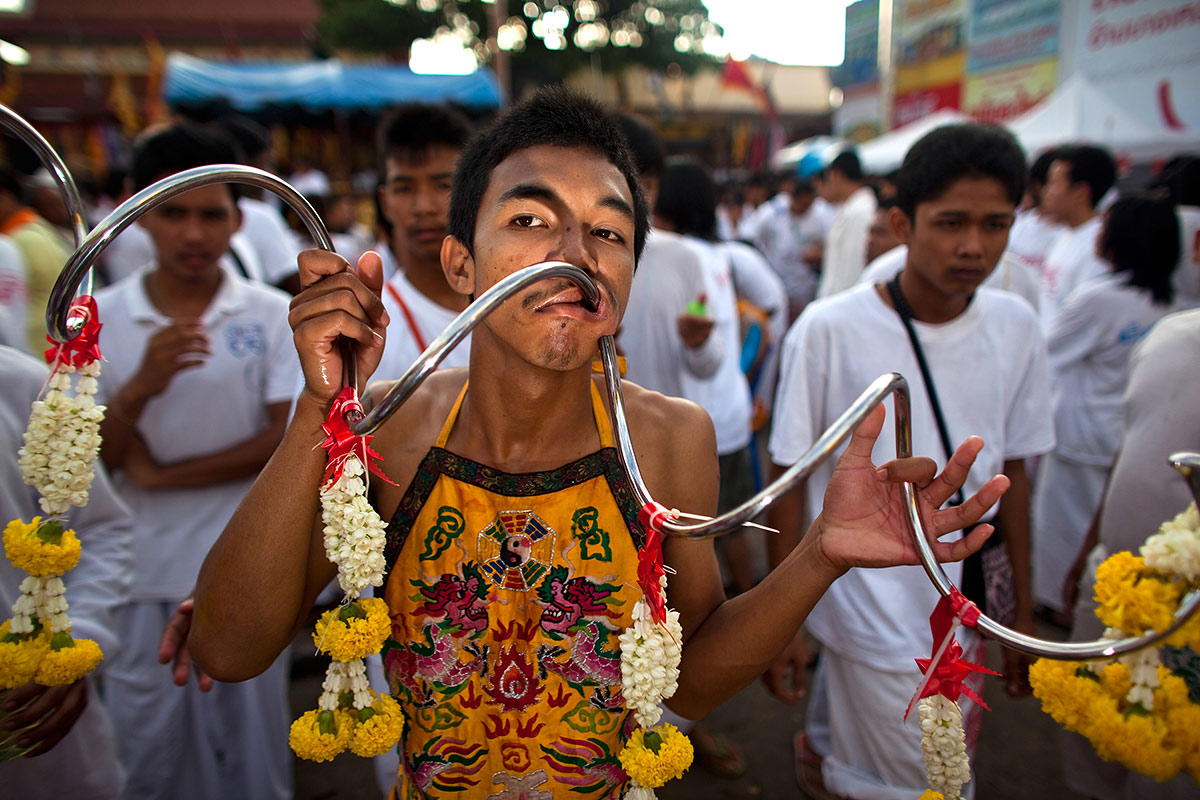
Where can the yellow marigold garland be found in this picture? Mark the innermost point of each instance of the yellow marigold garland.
(930, 794)
(379, 727)
(1135, 710)
(355, 630)
(36, 551)
(349, 714)
(61, 443)
(654, 757)
(320, 735)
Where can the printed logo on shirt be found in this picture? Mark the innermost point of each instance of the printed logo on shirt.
(1132, 332)
(246, 339)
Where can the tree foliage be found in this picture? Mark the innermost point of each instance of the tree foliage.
(379, 26)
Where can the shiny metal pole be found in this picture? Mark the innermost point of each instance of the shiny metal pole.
(50, 159)
(79, 265)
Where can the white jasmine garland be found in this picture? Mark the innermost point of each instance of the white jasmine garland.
(944, 746)
(650, 658)
(1143, 672)
(341, 677)
(62, 439)
(1175, 549)
(354, 532)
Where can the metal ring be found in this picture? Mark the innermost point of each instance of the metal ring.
(53, 163)
(128, 212)
(830, 440)
(457, 330)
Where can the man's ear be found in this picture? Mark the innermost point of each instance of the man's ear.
(900, 224)
(459, 266)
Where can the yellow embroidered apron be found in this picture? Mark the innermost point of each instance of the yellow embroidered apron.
(507, 594)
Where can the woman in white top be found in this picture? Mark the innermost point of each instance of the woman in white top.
(1089, 346)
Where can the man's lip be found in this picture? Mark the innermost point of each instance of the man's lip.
(428, 233)
(572, 297)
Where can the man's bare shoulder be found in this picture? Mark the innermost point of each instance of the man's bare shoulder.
(676, 448)
(406, 436)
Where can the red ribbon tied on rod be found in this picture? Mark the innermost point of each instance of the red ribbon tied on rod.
(949, 675)
(341, 442)
(84, 348)
(650, 560)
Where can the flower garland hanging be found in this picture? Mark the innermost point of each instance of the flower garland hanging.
(61, 443)
(1141, 709)
(943, 742)
(651, 648)
(349, 714)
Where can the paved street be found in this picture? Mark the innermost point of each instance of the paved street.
(1017, 758)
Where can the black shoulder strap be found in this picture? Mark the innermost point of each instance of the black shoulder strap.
(906, 315)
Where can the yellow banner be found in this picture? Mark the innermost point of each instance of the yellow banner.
(1005, 94)
(938, 72)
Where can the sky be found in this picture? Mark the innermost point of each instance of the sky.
(784, 31)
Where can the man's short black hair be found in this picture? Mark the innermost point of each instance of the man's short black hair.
(848, 164)
(11, 182)
(554, 116)
(644, 143)
(1180, 179)
(1140, 238)
(408, 131)
(252, 138)
(953, 152)
(1039, 170)
(165, 151)
(687, 198)
(1091, 165)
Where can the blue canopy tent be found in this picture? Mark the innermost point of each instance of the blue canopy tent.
(320, 85)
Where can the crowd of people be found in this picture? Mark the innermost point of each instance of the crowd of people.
(1036, 306)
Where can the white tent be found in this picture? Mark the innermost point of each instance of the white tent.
(820, 148)
(884, 153)
(1078, 112)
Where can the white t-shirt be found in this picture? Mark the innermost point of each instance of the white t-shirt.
(204, 410)
(1089, 346)
(670, 274)
(1144, 490)
(310, 183)
(14, 295)
(1030, 239)
(409, 334)
(846, 244)
(1071, 262)
(725, 395)
(1008, 276)
(989, 367)
(1186, 278)
(276, 246)
(783, 238)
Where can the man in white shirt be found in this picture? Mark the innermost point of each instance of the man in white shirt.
(959, 188)
(13, 295)
(1034, 230)
(418, 146)
(1078, 178)
(198, 381)
(75, 750)
(790, 234)
(662, 339)
(846, 245)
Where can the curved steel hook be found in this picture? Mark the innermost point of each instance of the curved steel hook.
(830, 440)
(53, 163)
(128, 212)
(454, 333)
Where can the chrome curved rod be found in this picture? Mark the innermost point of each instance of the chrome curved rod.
(53, 163)
(1044, 648)
(471, 316)
(824, 447)
(127, 213)
(830, 440)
